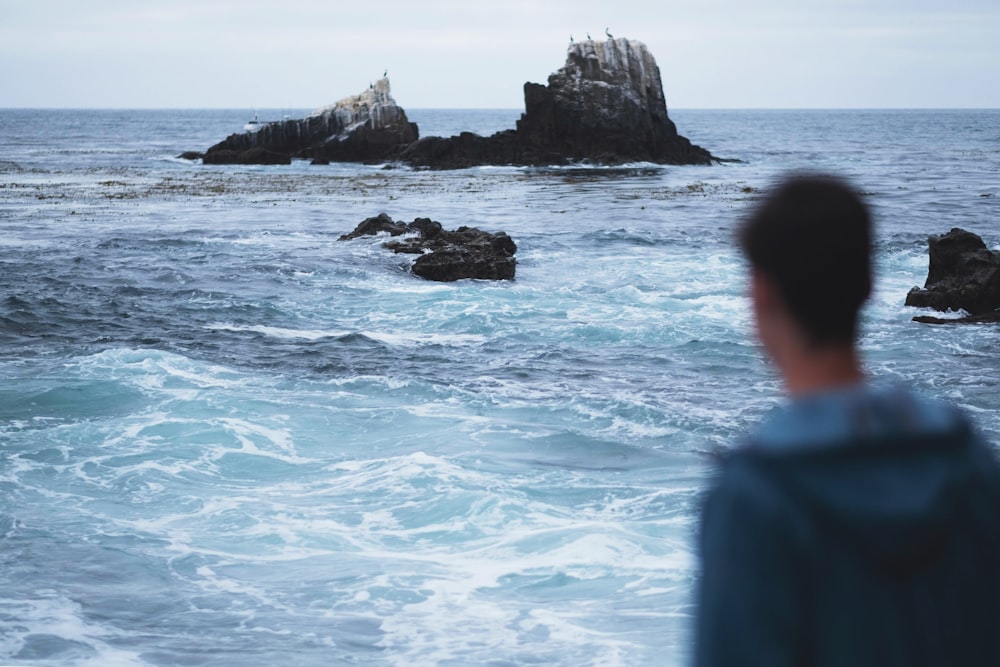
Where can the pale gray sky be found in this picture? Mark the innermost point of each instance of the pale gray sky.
(479, 53)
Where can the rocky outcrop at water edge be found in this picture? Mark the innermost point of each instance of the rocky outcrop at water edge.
(605, 105)
(963, 275)
(366, 127)
(445, 256)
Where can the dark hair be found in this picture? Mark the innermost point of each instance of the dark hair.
(812, 236)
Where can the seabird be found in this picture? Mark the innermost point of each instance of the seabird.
(385, 74)
(610, 36)
(571, 39)
(588, 35)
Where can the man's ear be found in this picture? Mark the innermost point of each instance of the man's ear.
(770, 317)
(763, 292)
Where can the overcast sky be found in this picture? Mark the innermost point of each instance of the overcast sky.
(291, 54)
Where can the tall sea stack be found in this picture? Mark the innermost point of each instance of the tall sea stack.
(606, 104)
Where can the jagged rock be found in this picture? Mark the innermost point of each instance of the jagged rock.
(963, 275)
(605, 105)
(457, 262)
(445, 255)
(365, 127)
(372, 226)
(191, 155)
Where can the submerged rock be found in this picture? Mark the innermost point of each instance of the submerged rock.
(605, 105)
(963, 275)
(366, 127)
(445, 255)
(985, 318)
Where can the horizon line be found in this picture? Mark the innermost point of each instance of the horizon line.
(513, 109)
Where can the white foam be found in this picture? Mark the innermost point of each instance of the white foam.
(394, 339)
(279, 332)
(413, 339)
(158, 370)
(49, 613)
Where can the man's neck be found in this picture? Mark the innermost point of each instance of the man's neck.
(822, 369)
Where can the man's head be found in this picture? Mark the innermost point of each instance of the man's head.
(809, 240)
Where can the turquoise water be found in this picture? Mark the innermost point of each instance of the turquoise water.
(229, 438)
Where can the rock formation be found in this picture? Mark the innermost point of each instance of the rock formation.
(607, 100)
(445, 256)
(606, 105)
(365, 127)
(963, 275)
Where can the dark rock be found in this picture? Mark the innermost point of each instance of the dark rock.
(363, 128)
(457, 262)
(606, 105)
(191, 155)
(963, 275)
(471, 150)
(985, 318)
(445, 255)
(372, 226)
(255, 155)
(429, 229)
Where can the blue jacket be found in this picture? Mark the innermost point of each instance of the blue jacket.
(857, 528)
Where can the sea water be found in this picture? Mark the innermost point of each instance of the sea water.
(229, 438)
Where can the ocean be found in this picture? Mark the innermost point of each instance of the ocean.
(228, 438)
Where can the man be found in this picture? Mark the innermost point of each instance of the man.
(859, 525)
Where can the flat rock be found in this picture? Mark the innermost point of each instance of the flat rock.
(445, 256)
(252, 155)
(986, 318)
